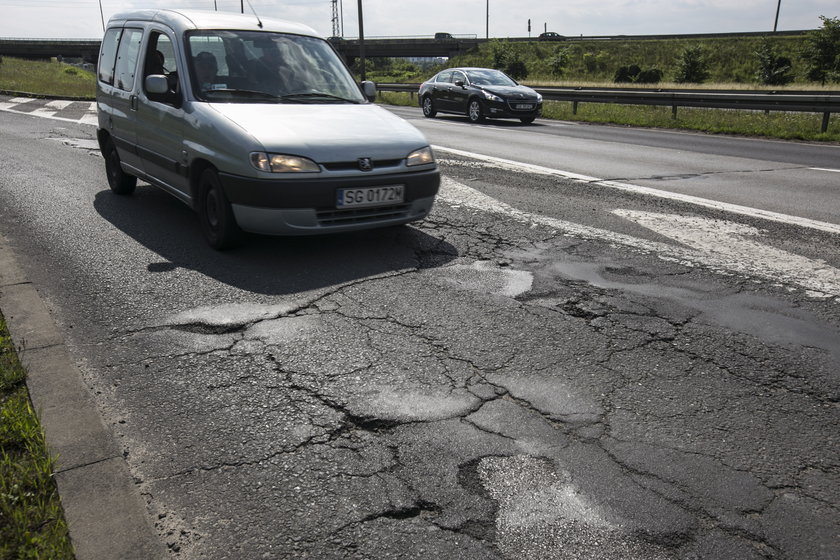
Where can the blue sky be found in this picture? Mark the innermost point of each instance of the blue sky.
(81, 18)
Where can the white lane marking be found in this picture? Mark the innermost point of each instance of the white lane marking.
(636, 189)
(51, 108)
(91, 119)
(48, 115)
(48, 111)
(824, 169)
(736, 247)
(59, 104)
(706, 242)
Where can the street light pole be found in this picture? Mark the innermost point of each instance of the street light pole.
(487, 28)
(362, 41)
(778, 6)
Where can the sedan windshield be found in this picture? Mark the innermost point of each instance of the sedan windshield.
(489, 78)
(265, 67)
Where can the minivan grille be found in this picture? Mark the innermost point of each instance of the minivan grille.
(354, 165)
(362, 215)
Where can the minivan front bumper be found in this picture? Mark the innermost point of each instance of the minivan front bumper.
(308, 206)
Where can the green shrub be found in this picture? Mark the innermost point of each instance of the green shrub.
(633, 74)
(559, 61)
(692, 66)
(773, 70)
(517, 70)
(821, 53)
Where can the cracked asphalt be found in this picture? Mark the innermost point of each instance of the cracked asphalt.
(472, 386)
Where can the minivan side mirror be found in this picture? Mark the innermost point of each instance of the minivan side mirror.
(156, 83)
(369, 89)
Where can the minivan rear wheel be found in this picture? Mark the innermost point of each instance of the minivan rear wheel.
(119, 181)
(217, 220)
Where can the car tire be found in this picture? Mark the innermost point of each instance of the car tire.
(428, 107)
(215, 213)
(527, 120)
(475, 111)
(120, 182)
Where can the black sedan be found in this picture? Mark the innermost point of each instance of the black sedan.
(479, 93)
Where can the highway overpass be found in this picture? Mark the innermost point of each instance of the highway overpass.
(396, 47)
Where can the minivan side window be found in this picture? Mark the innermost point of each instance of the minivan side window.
(160, 60)
(109, 55)
(127, 55)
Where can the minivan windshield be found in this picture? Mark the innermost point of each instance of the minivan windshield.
(229, 66)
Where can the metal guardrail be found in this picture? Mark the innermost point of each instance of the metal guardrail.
(802, 102)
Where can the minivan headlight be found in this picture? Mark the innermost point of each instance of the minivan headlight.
(420, 157)
(282, 163)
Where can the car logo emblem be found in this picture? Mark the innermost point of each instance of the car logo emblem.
(365, 164)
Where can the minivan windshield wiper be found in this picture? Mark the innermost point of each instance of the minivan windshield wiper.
(316, 96)
(242, 93)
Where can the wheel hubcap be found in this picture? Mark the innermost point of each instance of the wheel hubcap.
(212, 208)
(474, 111)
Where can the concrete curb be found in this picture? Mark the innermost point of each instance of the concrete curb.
(44, 95)
(105, 513)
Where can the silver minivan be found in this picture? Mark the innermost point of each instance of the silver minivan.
(257, 124)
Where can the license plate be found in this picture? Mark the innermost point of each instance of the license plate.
(370, 196)
(524, 106)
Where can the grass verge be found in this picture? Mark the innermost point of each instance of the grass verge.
(787, 126)
(46, 78)
(32, 524)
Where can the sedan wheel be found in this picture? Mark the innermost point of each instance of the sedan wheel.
(474, 111)
(428, 108)
(527, 120)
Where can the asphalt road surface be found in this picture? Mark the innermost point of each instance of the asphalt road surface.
(549, 367)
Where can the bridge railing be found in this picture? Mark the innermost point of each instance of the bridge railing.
(803, 102)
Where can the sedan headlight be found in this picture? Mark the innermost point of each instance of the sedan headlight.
(420, 157)
(492, 97)
(282, 163)
(539, 98)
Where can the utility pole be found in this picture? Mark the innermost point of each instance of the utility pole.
(778, 6)
(102, 15)
(487, 28)
(362, 40)
(336, 32)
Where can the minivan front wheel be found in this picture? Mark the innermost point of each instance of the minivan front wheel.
(474, 111)
(119, 181)
(428, 107)
(217, 220)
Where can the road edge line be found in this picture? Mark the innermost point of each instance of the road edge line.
(648, 191)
